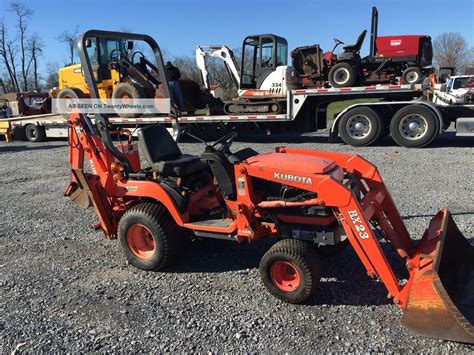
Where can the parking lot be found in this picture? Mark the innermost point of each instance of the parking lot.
(63, 287)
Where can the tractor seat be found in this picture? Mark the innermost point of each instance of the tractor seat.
(163, 154)
(356, 46)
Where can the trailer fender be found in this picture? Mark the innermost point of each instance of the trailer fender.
(334, 131)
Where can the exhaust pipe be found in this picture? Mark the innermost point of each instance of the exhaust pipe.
(441, 297)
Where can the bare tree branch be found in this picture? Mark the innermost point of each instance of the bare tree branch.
(450, 50)
(11, 53)
(22, 13)
(52, 69)
(4, 56)
(34, 47)
(70, 38)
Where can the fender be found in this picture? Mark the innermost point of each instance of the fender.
(150, 189)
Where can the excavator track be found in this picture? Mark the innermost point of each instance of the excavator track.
(254, 107)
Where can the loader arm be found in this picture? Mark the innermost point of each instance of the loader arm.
(438, 295)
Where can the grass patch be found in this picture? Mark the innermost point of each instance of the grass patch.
(335, 108)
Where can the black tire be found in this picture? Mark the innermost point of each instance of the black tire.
(70, 93)
(35, 133)
(162, 232)
(128, 90)
(372, 127)
(408, 137)
(302, 258)
(342, 75)
(412, 75)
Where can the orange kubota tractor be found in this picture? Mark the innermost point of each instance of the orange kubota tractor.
(305, 199)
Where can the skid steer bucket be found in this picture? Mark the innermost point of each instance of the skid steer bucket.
(441, 297)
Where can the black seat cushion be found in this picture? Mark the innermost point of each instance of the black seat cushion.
(163, 154)
(182, 166)
(356, 46)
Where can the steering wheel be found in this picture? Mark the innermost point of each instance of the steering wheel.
(225, 141)
(115, 54)
(135, 53)
(338, 41)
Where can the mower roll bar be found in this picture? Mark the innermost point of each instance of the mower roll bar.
(101, 120)
(373, 31)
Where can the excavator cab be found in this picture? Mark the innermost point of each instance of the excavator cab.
(261, 55)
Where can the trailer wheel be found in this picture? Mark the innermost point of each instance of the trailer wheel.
(414, 126)
(149, 236)
(69, 93)
(35, 133)
(127, 92)
(290, 270)
(342, 75)
(412, 75)
(360, 127)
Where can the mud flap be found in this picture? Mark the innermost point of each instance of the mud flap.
(441, 297)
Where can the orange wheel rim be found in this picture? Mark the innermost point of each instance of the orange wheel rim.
(140, 241)
(285, 276)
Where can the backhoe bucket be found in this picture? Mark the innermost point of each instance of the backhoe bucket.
(441, 297)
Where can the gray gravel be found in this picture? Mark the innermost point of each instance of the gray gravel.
(64, 288)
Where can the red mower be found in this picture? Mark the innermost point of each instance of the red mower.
(308, 201)
(389, 57)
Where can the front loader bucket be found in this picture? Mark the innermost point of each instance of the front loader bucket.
(441, 297)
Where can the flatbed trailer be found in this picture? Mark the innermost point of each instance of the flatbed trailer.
(306, 109)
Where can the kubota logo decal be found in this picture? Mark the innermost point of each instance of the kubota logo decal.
(293, 178)
(359, 226)
(396, 42)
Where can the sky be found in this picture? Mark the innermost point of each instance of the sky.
(179, 25)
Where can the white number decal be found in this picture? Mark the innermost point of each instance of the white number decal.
(354, 216)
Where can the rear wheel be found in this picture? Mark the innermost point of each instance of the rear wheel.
(342, 75)
(149, 236)
(127, 93)
(361, 126)
(412, 75)
(35, 133)
(414, 126)
(290, 270)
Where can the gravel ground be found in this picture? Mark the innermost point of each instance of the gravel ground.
(64, 288)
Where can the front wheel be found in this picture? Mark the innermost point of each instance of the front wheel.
(412, 75)
(66, 97)
(127, 93)
(290, 270)
(342, 75)
(414, 126)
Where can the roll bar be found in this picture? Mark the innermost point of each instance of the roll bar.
(101, 120)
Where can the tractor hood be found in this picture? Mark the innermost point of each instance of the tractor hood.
(296, 164)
